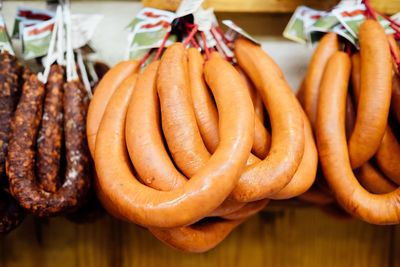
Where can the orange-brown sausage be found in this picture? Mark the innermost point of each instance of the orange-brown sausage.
(271, 175)
(305, 174)
(200, 237)
(395, 100)
(204, 191)
(143, 133)
(328, 45)
(177, 115)
(104, 90)
(375, 93)
(373, 181)
(388, 156)
(334, 157)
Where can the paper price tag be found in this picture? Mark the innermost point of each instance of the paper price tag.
(352, 17)
(36, 39)
(231, 25)
(187, 7)
(147, 30)
(302, 18)
(28, 17)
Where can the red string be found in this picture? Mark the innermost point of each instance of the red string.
(145, 57)
(194, 43)
(219, 30)
(160, 49)
(219, 45)
(203, 38)
(191, 35)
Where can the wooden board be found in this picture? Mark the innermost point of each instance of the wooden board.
(272, 6)
(279, 237)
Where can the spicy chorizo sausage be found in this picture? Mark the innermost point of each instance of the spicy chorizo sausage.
(49, 141)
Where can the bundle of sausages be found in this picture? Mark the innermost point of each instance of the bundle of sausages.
(48, 160)
(357, 135)
(183, 149)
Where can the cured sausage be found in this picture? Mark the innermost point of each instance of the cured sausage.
(334, 157)
(388, 156)
(375, 93)
(50, 135)
(328, 45)
(207, 189)
(177, 115)
(104, 90)
(203, 104)
(9, 94)
(395, 100)
(198, 238)
(271, 175)
(305, 174)
(11, 214)
(21, 155)
(144, 134)
(373, 181)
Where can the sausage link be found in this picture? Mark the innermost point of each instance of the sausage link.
(307, 170)
(271, 175)
(388, 154)
(11, 214)
(373, 181)
(177, 115)
(9, 94)
(328, 45)
(206, 190)
(21, 156)
(395, 100)
(375, 93)
(50, 135)
(104, 90)
(334, 157)
(143, 133)
(198, 238)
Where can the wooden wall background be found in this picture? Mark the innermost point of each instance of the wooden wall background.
(278, 237)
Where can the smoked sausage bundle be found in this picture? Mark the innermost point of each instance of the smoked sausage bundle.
(173, 145)
(356, 137)
(49, 119)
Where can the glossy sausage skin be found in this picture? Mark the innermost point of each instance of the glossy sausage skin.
(143, 133)
(9, 95)
(177, 115)
(21, 156)
(104, 90)
(375, 93)
(373, 180)
(328, 45)
(395, 100)
(271, 175)
(207, 189)
(332, 147)
(50, 135)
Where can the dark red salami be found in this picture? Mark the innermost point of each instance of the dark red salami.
(49, 142)
(21, 156)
